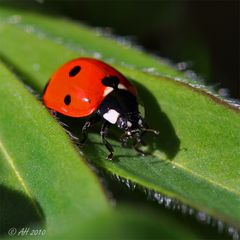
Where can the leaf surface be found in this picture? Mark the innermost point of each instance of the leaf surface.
(44, 181)
(196, 157)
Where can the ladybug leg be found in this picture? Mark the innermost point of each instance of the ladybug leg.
(136, 147)
(137, 142)
(145, 125)
(124, 139)
(92, 120)
(103, 133)
(141, 139)
(84, 132)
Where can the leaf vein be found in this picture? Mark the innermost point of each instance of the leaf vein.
(202, 177)
(19, 177)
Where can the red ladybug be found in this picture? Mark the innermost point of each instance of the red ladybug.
(89, 87)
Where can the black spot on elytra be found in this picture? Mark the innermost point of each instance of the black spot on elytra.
(74, 71)
(67, 99)
(111, 81)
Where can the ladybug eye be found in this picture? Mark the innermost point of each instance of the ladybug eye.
(122, 123)
(74, 71)
(67, 99)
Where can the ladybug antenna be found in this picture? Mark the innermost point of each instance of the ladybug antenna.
(150, 130)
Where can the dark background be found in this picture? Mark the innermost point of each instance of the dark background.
(205, 34)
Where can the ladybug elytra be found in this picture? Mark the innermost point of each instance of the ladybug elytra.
(89, 87)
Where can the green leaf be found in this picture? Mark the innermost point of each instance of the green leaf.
(84, 42)
(44, 181)
(196, 157)
(32, 158)
(124, 223)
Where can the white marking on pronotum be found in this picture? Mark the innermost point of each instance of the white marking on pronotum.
(107, 91)
(121, 86)
(111, 116)
(86, 100)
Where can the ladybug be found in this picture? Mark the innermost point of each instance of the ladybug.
(87, 87)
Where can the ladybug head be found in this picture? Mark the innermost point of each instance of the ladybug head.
(133, 126)
(129, 122)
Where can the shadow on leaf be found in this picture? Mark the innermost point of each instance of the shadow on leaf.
(18, 210)
(167, 141)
